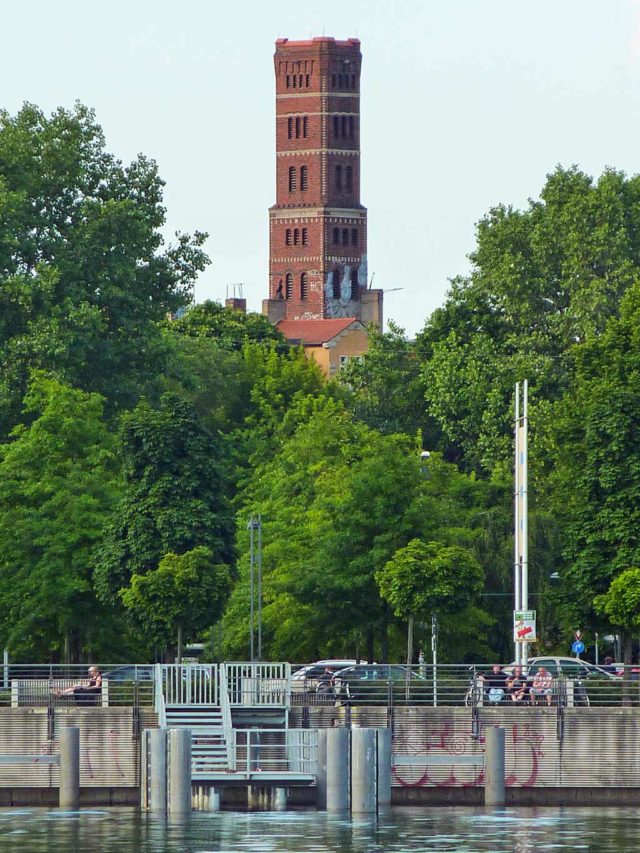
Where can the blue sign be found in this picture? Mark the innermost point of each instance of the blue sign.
(578, 647)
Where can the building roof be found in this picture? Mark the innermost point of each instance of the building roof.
(315, 331)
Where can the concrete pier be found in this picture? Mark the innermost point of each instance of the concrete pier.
(179, 776)
(70, 768)
(494, 764)
(363, 771)
(157, 741)
(384, 766)
(338, 742)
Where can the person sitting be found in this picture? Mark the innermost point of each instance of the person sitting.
(518, 686)
(495, 683)
(542, 686)
(87, 693)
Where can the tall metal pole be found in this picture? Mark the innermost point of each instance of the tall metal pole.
(516, 520)
(524, 485)
(251, 587)
(259, 587)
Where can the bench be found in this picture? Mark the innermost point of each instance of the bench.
(40, 692)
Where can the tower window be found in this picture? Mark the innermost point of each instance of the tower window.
(288, 80)
(288, 285)
(304, 178)
(301, 79)
(338, 177)
(294, 80)
(344, 127)
(354, 236)
(333, 81)
(336, 284)
(290, 128)
(348, 178)
(288, 237)
(336, 127)
(297, 127)
(353, 81)
(354, 283)
(305, 124)
(345, 236)
(352, 127)
(293, 179)
(296, 236)
(336, 236)
(308, 80)
(304, 285)
(340, 81)
(305, 237)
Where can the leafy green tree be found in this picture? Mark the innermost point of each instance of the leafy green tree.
(58, 482)
(175, 495)
(227, 326)
(425, 577)
(621, 605)
(84, 276)
(181, 597)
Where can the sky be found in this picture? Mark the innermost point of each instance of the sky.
(465, 104)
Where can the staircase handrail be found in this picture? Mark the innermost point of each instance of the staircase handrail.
(159, 702)
(225, 710)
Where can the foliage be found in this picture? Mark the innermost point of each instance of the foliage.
(181, 597)
(83, 274)
(174, 495)
(228, 326)
(58, 480)
(621, 602)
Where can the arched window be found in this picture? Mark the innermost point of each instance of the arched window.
(301, 79)
(305, 237)
(305, 125)
(308, 80)
(337, 276)
(290, 128)
(333, 81)
(353, 81)
(345, 236)
(296, 236)
(352, 127)
(336, 127)
(336, 236)
(294, 80)
(288, 80)
(348, 178)
(288, 285)
(354, 236)
(293, 179)
(354, 283)
(344, 127)
(304, 285)
(340, 81)
(297, 127)
(338, 177)
(304, 177)
(288, 237)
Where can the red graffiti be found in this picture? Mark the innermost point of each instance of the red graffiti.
(526, 752)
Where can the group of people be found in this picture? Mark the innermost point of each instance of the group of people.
(517, 686)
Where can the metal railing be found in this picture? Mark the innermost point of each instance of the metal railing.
(258, 684)
(276, 750)
(190, 684)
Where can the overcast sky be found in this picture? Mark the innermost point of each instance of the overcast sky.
(465, 104)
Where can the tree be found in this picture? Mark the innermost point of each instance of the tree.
(181, 597)
(58, 481)
(621, 605)
(84, 276)
(228, 326)
(175, 495)
(425, 577)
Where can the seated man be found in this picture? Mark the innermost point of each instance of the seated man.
(518, 686)
(85, 694)
(495, 683)
(542, 686)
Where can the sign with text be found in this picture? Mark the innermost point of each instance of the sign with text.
(524, 626)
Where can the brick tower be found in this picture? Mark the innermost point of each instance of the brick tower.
(318, 227)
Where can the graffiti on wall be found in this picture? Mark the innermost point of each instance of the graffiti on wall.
(342, 287)
(523, 757)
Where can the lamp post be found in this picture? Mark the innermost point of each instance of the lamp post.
(255, 524)
(521, 548)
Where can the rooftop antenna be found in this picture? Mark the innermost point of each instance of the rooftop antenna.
(392, 289)
(236, 290)
(373, 275)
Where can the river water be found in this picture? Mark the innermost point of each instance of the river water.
(518, 830)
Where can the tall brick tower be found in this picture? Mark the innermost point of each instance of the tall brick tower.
(318, 227)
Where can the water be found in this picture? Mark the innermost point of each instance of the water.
(464, 830)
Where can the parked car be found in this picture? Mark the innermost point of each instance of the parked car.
(566, 666)
(371, 682)
(130, 672)
(307, 678)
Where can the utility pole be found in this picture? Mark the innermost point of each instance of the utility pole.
(521, 549)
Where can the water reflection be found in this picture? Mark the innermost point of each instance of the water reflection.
(606, 830)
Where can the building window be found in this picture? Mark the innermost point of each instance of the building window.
(304, 285)
(353, 81)
(344, 127)
(294, 80)
(288, 81)
(290, 128)
(354, 236)
(336, 284)
(338, 177)
(293, 179)
(288, 237)
(305, 125)
(288, 285)
(305, 237)
(345, 236)
(336, 236)
(354, 283)
(333, 81)
(348, 178)
(301, 79)
(352, 127)
(340, 81)
(304, 178)
(297, 127)
(336, 127)
(308, 80)
(296, 236)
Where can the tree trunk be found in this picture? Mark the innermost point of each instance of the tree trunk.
(369, 645)
(179, 650)
(409, 644)
(384, 639)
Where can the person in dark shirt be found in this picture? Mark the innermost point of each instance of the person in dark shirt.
(495, 683)
(518, 686)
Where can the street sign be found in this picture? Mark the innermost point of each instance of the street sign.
(578, 647)
(524, 626)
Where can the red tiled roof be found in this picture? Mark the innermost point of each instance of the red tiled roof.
(314, 331)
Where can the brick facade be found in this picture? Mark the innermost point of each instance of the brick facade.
(318, 226)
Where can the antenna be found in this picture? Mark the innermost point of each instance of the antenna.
(373, 275)
(236, 290)
(392, 289)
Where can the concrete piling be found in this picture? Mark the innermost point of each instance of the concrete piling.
(338, 741)
(384, 766)
(179, 776)
(70, 768)
(363, 771)
(157, 741)
(494, 764)
(321, 775)
(280, 799)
